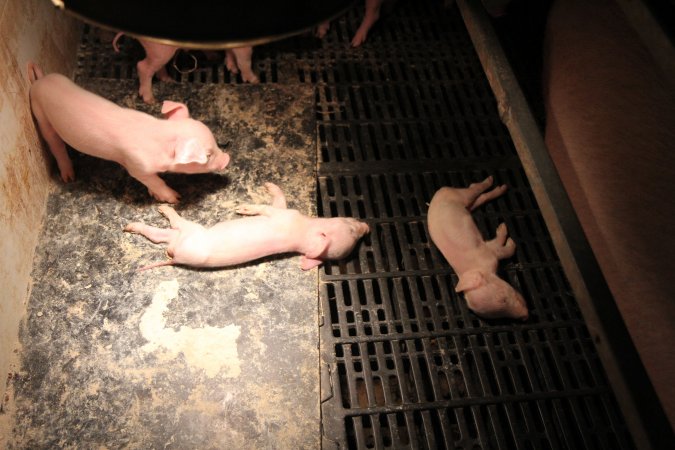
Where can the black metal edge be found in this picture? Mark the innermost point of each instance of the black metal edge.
(635, 394)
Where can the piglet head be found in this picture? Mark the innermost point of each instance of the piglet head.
(333, 238)
(195, 148)
(491, 297)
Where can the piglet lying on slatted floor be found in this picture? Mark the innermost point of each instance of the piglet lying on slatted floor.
(271, 229)
(474, 260)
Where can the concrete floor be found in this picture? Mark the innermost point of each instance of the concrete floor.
(174, 357)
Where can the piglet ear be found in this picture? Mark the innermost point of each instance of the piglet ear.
(190, 151)
(317, 245)
(470, 280)
(175, 110)
(309, 263)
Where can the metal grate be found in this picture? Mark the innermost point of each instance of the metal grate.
(405, 364)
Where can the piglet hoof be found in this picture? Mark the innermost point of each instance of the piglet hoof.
(168, 197)
(132, 227)
(66, 170)
(68, 175)
(166, 210)
(359, 38)
(322, 30)
(252, 78)
(147, 96)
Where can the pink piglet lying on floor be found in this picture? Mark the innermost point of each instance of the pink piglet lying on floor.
(270, 229)
(454, 232)
(143, 144)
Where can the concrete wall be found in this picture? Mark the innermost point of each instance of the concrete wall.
(29, 30)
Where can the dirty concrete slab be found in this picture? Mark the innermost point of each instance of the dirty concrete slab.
(174, 357)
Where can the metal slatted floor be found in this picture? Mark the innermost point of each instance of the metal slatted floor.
(404, 363)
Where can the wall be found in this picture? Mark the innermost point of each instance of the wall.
(29, 30)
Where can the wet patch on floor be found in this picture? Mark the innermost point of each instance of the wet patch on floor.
(175, 357)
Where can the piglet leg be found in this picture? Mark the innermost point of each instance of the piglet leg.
(157, 188)
(278, 202)
(156, 57)
(156, 235)
(176, 221)
(58, 149)
(239, 59)
(475, 194)
(369, 19)
(502, 245)
(322, 29)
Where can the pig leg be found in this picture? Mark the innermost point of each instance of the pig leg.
(239, 59)
(475, 194)
(57, 147)
(278, 202)
(156, 235)
(369, 19)
(175, 220)
(322, 29)
(502, 245)
(156, 57)
(157, 188)
(163, 75)
(278, 198)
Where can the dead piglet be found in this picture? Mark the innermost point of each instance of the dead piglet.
(269, 230)
(158, 55)
(454, 232)
(144, 145)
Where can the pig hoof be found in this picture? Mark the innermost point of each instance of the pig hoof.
(165, 210)
(358, 39)
(321, 30)
(131, 228)
(147, 97)
(251, 79)
(67, 177)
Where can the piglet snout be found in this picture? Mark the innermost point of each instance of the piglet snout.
(220, 161)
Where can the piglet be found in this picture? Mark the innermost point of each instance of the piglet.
(143, 144)
(454, 232)
(269, 230)
(157, 55)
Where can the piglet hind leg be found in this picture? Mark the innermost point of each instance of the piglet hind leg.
(175, 220)
(154, 234)
(502, 245)
(58, 149)
(278, 202)
(475, 194)
(278, 197)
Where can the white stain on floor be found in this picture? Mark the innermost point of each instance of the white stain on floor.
(211, 349)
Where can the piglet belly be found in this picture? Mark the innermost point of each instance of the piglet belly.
(240, 241)
(454, 233)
